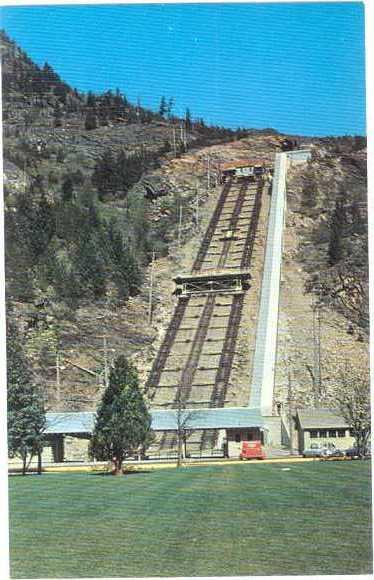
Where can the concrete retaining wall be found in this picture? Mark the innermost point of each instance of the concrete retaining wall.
(266, 337)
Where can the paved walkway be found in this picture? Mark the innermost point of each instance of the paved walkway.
(151, 465)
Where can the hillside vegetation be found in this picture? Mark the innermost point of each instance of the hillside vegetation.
(87, 204)
(95, 186)
(334, 250)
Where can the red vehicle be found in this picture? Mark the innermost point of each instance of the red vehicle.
(252, 450)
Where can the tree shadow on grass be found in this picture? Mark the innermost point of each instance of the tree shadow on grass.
(20, 474)
(124, 474)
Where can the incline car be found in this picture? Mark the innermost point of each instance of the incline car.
(252, 169)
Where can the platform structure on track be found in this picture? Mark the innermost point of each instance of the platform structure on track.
(223, 281)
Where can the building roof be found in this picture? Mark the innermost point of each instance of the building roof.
(235, 417)
(74, 422)
(321, 418)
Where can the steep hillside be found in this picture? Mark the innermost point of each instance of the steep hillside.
(95, 186)
(324, 315)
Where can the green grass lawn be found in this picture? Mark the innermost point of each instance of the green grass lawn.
(250, 519)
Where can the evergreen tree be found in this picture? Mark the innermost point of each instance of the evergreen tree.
(123, 423)
(43, 227)
(90, 269)
(166, 148)
(90, 122)
(119, 104)
(188, 119)
(335, 250)
(60, 155)
(64, 280)
(57, 117)
(26, 416)
(125, 271)
(67, 189)
(105, 177)
(50, 75)
(163, 107)
(91, 100)
(169, 107)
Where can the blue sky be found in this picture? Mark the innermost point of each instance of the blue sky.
(296, 67)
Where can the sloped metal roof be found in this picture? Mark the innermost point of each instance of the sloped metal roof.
(235, 417)
(81, 422)
(321, 418)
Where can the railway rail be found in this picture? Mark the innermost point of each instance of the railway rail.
(194, 363)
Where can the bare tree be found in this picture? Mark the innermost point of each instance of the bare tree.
(353, 398)
(184, 419)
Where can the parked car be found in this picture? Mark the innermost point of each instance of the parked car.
(332, 453)
(252, 450)
(353, 453)
(313, 451)
(325, 451)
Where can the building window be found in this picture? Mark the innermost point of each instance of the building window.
(341, 432)
(237, 437)
(313, 434)
(332, 433)
(323, 433)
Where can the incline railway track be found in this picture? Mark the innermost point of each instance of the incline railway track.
(194, 362)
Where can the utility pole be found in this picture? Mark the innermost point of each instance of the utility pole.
(320, 387)
(317, 353)
(58, 379)
(290, 410)
(150, 306)
(174, 143)
(137, 109)
(24, 176)
(197, 206)
(106, 365)
(180, 223)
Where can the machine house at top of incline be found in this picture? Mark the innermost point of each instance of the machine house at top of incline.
(252, 169)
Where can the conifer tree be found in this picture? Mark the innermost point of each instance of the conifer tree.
(90, 122)
(26, 416)
(335, 249)
(67, 189)
(105, 177)
(123, 423)
(169, 107)
(163, 107)
(188, 119)
(90, 269)
(125, 272)
(57, 117)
